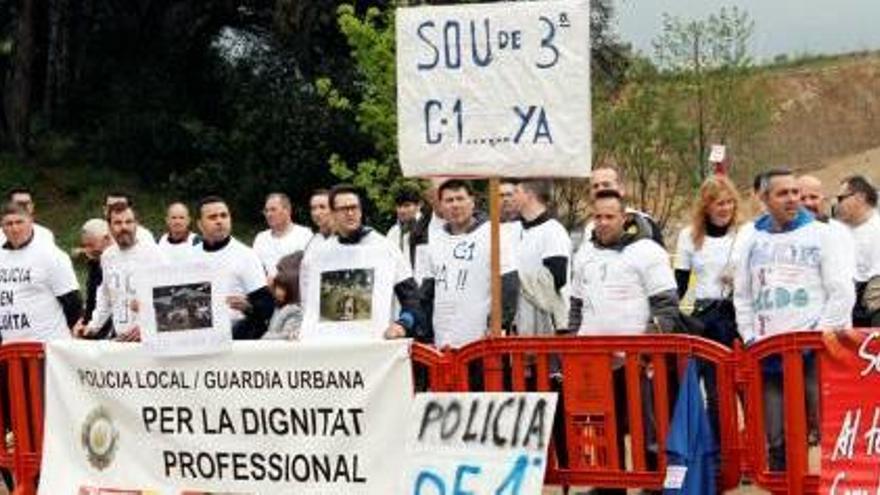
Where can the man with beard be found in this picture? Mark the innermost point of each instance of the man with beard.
(116, 296)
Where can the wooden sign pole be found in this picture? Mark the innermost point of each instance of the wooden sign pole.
(495, 255)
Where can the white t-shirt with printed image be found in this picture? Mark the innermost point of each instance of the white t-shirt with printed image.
(240, 270)
(31, 280)
(117, 290)
(459, 264)
(796, 280)
(615, 286)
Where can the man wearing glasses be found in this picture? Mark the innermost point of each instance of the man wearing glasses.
(346, 205)
(857, 208)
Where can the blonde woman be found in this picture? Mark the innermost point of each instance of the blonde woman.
(707, 249)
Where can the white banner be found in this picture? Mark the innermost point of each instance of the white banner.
(478, 443)
(267, 418)
(496, 89)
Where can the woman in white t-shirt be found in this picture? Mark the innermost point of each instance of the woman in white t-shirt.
(707, 249)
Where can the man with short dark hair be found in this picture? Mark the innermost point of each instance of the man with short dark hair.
(319, 210)
(793, 277)
(509, 205)
(618, 268)
(609, 178)
(352, 240)
(623, 284)
(178, 240)
(283, 236)
(457, 285)
(857, 209)
(39, 293)
(25, 198)
(542, 262)
(242, 278)
(116, 296)
(407, 206)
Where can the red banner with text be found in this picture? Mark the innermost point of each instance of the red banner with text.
(851, 415)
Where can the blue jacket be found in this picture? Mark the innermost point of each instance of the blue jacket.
(691, 443)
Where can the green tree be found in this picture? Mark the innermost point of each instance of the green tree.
(727, 101)
(642, 133)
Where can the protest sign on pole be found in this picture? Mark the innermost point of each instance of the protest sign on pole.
(182, 311)
(851, 418)
(478, 443)
(494, 89)
(269, 417)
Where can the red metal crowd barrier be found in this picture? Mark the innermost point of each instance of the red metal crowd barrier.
(22, 365)
(792, 350)
(588, 447)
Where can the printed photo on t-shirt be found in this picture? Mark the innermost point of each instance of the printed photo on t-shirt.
(182, 307)
(347, 295)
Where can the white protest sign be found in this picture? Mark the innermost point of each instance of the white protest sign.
(478, 443)
(717, 153)
(494, 89)
(349, 294)
(182, 311)
(267, 417)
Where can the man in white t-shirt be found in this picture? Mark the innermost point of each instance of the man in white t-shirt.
(116, 298)
(352, 236)
(457, 285)
(178, 241)
(857, 209)
(25, 198)
(241, 274)
(542, 259)
(143, 234)
(622, 284)
(39, 293)
(283, 236)
(794, 275)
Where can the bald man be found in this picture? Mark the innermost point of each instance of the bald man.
(178, 241)
(813, 197)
